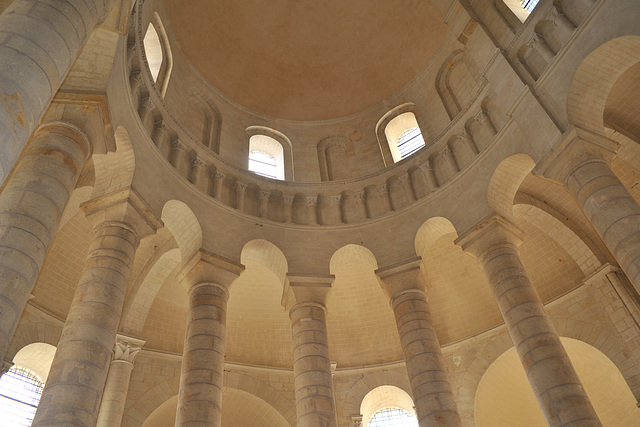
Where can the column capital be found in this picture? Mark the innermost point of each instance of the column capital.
(402, 277)
(573, 148)
(306, 289)
(124, 206)
(126, 348)
(494, 231)
(207, 267)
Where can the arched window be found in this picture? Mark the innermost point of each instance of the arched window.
(266, 157)
(392, 417)
(521, 8)
(404, 136)
(158, 53)
(20, 392)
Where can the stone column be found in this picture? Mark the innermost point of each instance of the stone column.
(432, 394)
(207, 278)
(76, 381)
(311, 365)
(581, 162)
(31, 206)
(39, 41)
(554, 381)
(115, 390)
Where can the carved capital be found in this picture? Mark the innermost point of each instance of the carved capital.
(288, 200)
(312, 201)
(240, 187)
(493, 232)
(264, 195)
(126, 349)
(356, 420)
(207, 267)
(198, 162)
(574, 148)
(307, 289)
(400, 278)
(219, 176)
(382, 188)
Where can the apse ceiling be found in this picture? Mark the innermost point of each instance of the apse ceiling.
(307, 60)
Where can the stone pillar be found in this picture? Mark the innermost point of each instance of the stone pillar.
(554, 381)
(207, 278)
(432, 394)
(76, 381)
(311, 365)
(115, 390)
(39, 41)
(581, 163)
(31, 206)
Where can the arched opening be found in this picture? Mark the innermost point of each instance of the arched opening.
(270, 153)
(404, 136)
(504, 396)
(21, 386)
(158, 53)
(388, 406)
(521, 8)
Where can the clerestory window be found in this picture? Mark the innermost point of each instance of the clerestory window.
(20, 392)
(266, 157)
(392, 417)
(521, 8)
(158, 54)
(404, 136)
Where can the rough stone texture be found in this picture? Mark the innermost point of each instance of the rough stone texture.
(552, 377)
(31, 207)
(39, 41)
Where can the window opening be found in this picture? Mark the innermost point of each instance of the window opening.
(20, 392)
(153, 51)
(392, 417)
(409, 142)
(404, 136)
(529, 5)
(266, 156)
(263, 164)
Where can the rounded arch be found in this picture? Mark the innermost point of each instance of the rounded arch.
(239, 408)
(385, 396)
(114, 171)
(36, 357)
(594, 79)
(561, 234)
(282, 139)
(184, 227)
(352, 254)
(395, 377)
(505, 181)
(430, 231)
(136, 314)
(268, 255)
(505, 384)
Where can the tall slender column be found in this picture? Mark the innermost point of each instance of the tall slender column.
(554, 381)
(76, 381)
(39, 41)
(581, 163)
(207, 278)
(115, 390)
(31, 206)
(311, 365)
(432, 394)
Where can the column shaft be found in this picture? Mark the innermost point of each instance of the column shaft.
(115, 394)
(432, 394)
(31, 206)
(311, 366)
(200, 399)
(79, 370)
(552, 377)
(39, 41)
(612, 211)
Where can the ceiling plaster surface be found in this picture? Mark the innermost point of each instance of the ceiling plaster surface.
(308, 60)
